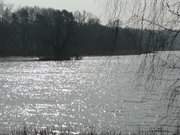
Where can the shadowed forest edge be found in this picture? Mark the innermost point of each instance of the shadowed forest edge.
(53, 34)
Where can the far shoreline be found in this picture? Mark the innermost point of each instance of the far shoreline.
(73, 57)
(67, 58)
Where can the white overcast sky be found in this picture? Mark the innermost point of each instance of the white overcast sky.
(71, 5)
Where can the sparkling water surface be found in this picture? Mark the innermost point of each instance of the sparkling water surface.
(104, 92)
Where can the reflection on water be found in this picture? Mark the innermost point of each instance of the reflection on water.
(96, 91)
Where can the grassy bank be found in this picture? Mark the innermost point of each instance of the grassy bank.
(67, 131)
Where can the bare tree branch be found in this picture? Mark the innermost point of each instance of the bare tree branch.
(172, 11)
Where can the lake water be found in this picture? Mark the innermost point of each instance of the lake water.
(101, 92)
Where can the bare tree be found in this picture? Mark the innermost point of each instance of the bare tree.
(158, 16)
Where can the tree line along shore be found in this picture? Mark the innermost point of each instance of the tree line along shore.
(58, 34)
